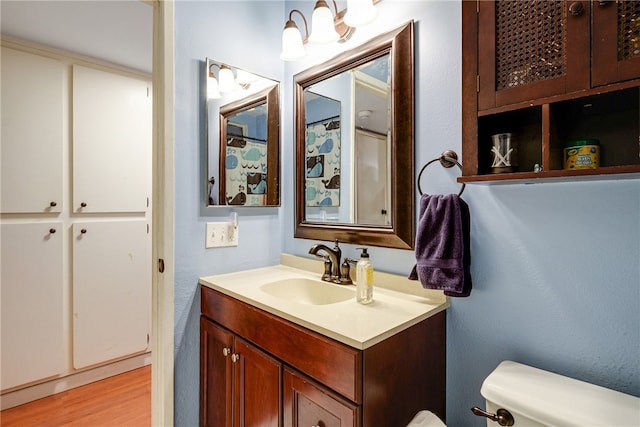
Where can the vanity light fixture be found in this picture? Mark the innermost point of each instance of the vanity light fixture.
(325, 26)
(226, 80)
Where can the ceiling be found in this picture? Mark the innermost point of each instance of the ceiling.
(116, 31)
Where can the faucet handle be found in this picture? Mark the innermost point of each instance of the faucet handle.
(345, 272)
(326, 276)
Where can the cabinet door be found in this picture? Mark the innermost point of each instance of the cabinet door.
(111, 142)
(257, 381)
(31, 298)
(531, 49)
(33, 109)
(616, 41)
(307, 404)
(216, 393)
(111, 290)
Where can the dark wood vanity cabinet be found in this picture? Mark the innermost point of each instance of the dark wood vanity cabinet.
(550, 72)
(312, 379)
(240, 384)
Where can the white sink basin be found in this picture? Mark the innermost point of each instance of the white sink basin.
(307, 291)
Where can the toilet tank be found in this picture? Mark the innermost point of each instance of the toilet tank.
(539, 398)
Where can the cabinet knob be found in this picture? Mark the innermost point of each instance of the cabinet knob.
(83, 231)
(52, 204)
(226, 351)
(83, 205)
(52, 230)
(576, 9)
(235, 357)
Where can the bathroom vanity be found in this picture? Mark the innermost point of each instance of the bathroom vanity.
(279, 347)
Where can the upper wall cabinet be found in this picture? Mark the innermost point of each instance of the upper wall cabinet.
(533, 49)
(546, 75)
(111, 142)
(33, 109)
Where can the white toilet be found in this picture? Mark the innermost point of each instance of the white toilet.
(523, 396)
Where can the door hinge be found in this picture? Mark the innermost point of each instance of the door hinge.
(160, 265)
(477, 6)
(147, 228)
(147, 338)
(478, 83)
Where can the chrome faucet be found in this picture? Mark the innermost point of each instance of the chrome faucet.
(332, 271)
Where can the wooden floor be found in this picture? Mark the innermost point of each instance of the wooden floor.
(123, 401)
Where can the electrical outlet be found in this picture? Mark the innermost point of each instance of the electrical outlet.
(220, 234)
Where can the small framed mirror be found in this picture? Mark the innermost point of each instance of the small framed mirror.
(243, 138)
(355, 145)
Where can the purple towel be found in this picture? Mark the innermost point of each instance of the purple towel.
(442, 245)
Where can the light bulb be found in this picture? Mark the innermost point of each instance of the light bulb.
(227, 81)
(292, 46)
(323, 29)
(212, 89)
(360, 12)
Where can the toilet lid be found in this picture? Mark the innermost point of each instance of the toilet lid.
(556, 400)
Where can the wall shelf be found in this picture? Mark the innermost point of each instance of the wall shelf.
(545, 112)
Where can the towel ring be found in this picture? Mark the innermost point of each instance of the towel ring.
(447, 159)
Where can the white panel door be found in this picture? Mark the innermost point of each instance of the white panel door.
(111, 290)
(32, 132)
(31, 303)
(111, 142)
(372, 179)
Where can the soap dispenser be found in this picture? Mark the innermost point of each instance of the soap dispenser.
(364, 278)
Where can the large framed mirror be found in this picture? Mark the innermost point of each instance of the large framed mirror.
(243, 137)
(354, 131)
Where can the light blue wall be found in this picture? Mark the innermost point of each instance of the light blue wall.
(246, 35)
(556, 267)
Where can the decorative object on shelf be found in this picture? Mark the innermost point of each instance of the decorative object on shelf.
(503, 153)
(325, 26)
(448, 159)
(582, 154)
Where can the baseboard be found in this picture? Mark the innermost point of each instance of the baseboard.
(38, 391)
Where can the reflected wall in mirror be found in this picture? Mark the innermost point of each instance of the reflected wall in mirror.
(243, 137)
(355, 145)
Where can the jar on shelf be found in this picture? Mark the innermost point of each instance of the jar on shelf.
(582, 154)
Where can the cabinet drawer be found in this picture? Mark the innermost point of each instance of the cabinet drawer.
(307, 404)
(336, 365)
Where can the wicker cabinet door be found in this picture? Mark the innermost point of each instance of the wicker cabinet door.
(531, 49)
(616, 42)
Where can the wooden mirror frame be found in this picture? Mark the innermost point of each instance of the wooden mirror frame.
(270, 97)
(399, 44)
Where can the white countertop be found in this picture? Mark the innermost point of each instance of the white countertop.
(349, 322)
